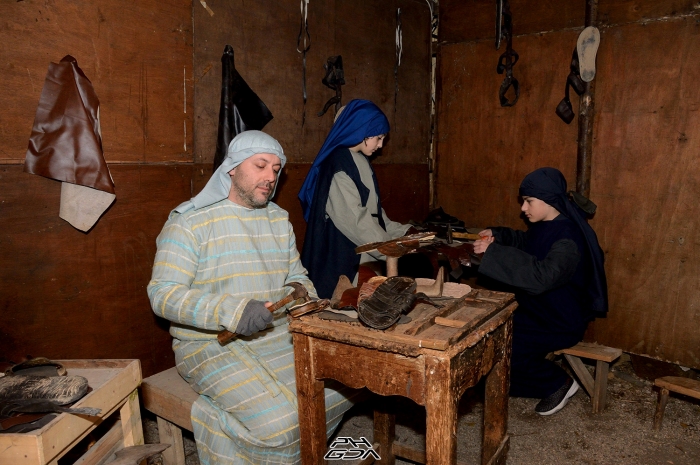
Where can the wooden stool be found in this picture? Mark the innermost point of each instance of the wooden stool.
(685, 386)
(597, 389)
(170, 397)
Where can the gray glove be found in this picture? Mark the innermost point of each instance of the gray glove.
(255, 318)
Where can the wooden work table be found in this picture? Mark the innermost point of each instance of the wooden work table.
(432, 364)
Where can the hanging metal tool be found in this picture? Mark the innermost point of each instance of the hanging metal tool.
(504, 31)
(334, 79)
(303, 46)
(399, 52)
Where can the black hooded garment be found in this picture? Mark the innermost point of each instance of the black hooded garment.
(556, 270)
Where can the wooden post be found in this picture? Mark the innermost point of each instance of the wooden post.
(660, 407)
(586, 111)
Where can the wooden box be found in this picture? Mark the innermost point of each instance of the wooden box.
(113, 383)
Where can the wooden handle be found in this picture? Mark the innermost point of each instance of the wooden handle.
(225, 337)
(468, 236)
(281, 303)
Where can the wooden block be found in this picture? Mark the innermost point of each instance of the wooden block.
(448, 322)
(169, 396)
(685, 386)
(593, 351)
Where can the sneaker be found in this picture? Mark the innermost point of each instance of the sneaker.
(555, 402)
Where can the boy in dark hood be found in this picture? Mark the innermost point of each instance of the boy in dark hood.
(556, 268)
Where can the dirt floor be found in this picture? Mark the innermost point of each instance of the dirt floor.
(621, 435)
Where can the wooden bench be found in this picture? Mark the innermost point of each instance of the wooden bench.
(603, 355)
(169, 396)
(685, 386)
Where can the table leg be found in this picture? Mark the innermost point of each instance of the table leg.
(130, 414)
(384, 435)
(494, 448)
(169, 433)
(441, 413)
(312, 405)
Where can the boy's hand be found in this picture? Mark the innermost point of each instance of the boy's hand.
(486, 233)
(482, 244)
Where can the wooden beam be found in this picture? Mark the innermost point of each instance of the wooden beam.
(586, 111)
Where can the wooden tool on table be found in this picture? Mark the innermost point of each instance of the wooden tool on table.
(299, 292)
(396, 248)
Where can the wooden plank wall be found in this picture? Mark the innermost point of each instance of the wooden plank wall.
(155, 66)
(644, 170)
(64, 293)
(363, 33)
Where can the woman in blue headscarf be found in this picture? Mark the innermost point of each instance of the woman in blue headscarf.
(556, 269)
(340, 198)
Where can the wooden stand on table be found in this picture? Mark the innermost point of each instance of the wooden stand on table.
(114, 386)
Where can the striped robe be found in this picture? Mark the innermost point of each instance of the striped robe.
(209, 264)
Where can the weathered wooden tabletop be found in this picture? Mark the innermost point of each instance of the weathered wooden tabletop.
(430, 327)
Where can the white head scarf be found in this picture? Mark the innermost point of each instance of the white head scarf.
(242, 147)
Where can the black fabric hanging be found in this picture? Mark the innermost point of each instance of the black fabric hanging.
(241, 109)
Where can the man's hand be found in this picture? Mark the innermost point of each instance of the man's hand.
(255, 317)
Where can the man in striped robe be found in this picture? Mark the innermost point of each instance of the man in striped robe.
(222, 258)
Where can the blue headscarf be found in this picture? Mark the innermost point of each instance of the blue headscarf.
(358, 120)
(549, 185)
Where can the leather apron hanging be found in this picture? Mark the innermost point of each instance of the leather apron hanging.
(66, 144)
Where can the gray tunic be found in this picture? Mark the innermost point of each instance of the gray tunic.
(352, 219)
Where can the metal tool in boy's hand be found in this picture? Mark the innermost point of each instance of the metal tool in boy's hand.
(299, 292)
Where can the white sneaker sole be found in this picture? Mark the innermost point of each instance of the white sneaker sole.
(569, 394)
(587, 48)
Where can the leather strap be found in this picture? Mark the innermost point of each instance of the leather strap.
(334, 79)
(510, 57)
(303, 46)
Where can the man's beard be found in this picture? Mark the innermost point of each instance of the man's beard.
(249, 196)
